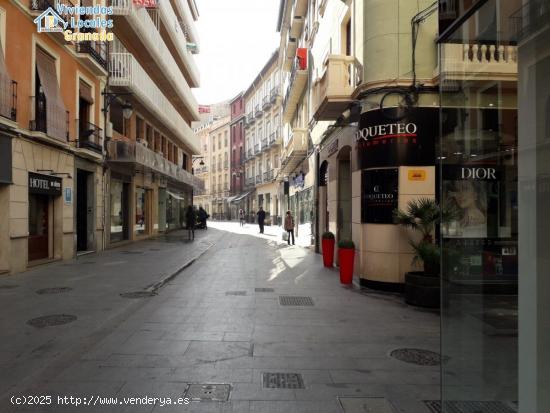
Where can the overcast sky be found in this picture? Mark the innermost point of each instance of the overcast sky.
(237, 37)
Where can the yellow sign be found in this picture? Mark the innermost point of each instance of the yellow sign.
(417, 175)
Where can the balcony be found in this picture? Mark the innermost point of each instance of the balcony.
(133, 155)
(225, 164)
(49, 119)
(133, 25)
(258, 111)
(90, 136)
(477, 62)
(128, 75)
(249, 153)
(268, 176)
(295, 150)
(290, 53)
(274, 94)
(37, 7)
(296, 87)
(258, 179)
(530, 18)
(8, 97)
(331, 94)
(266, 103)
(264, 143)
(256, 149)
(250, 181)
(94, 55)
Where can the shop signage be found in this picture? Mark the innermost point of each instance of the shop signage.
(417, 175)
(379, 195)
(44, 184)
(383, 142)
(472, 172)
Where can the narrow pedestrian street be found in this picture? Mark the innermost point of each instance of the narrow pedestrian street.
(222, 310)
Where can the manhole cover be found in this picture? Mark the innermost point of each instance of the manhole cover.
(297, 301)
(211, 392)
(264, 290)
(469, 407)
(8, 287)
(138, 294)
(51, 320)
(417, 356)
(283, 381)
(235, 293)
(53, 290)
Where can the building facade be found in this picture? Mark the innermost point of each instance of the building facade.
(237, 186)
(263, 143)
(201, 168)
(51, 124)
(219, 168)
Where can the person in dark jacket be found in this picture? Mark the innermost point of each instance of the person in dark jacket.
(289, 226)
(203, 216)
(190, 220)
(261, 219)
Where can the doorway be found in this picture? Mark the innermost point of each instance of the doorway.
(344, 194)
(39, 223)
(84, 211)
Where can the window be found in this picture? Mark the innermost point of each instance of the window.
(225, 139)
(219, 141)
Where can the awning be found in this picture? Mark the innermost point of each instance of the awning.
(173, 195)
(241, 196)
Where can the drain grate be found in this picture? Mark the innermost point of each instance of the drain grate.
(8, 287)
(208, 392)
(296, 301)
(51, 320)
(283, 381)
(138, 294)
(264, 290)
(53, 290)
(235, 293)
(468, 407)
(417, 356)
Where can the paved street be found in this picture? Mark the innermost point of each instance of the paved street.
(215, 318)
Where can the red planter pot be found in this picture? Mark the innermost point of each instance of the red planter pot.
(328, 252)
(347, 258)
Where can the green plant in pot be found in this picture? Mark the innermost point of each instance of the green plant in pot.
(422, 288)
(327, 246)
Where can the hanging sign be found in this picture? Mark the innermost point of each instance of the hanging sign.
(410, 141)
(44, 184)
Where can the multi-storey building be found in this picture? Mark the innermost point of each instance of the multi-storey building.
(151, 108)
(237, 155)
(220, 167)
(51, 140)
(202, 168)
(263, 141)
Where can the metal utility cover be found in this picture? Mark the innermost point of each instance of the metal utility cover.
(417, 356)
(235, 293)
(208, 392)
(264, 290)
(365, 405)
(51, 320)
(288, 300)
(469, 407)
(283, 381)
(53, 290)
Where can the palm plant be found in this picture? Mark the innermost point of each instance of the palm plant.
(422, 215)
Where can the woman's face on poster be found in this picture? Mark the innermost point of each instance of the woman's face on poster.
(464, 194)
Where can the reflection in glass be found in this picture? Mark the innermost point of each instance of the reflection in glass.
(141, 210)
(117, 210)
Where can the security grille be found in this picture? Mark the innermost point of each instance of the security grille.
(469, 407)
(417, 356)
(283, 381)
(208, 392)
(288, 300)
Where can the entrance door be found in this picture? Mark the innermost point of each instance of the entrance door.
(38, 227)
(81, 210)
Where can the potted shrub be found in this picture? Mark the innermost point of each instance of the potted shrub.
(346, 255)
(327, 245)
(422, 288)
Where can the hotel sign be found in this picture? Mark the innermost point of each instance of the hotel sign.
(44, 184)
(379, 195)
(410, 141)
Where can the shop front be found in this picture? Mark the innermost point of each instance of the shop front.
(119, 207)
(301, 198)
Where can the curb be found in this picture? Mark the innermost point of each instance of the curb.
(153, 288)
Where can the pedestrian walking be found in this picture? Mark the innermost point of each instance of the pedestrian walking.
(203, 216)
(190, 220)
(241, 217)
(261, 219)
(289, 226)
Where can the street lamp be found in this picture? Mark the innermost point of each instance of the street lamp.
(201, 163)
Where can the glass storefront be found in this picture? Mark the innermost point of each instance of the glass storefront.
(141, 211)
(118, 210)
(494, 168)
(176, 203)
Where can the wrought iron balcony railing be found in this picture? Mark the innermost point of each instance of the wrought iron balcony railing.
(8, 97)
(97, 50)
(89, 136)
